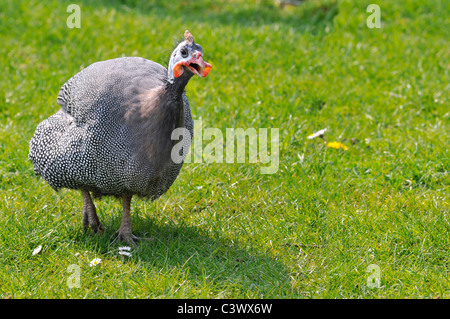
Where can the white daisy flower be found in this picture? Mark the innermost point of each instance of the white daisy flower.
(37, 250)
(125, 253)
(95, 262)
(317, 134)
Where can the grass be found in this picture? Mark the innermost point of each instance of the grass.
(224, 230)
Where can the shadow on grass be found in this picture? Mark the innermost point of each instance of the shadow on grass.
(201, 257)
(311, 15)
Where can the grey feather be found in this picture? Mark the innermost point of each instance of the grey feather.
(110, 135)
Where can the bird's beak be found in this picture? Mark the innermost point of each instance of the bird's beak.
(195, 64)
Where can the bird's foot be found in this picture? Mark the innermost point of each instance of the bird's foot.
(129, 238)
(94, 223)
(89, 212)
(97, 228)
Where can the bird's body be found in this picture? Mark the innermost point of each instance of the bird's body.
(110, 136)
(113, 133)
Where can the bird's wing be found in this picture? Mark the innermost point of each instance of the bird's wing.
(109, 85)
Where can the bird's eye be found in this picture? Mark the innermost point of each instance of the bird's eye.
(184, 53)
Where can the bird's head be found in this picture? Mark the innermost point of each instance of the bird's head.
(187, 57)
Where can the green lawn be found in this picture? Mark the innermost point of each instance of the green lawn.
(223, 230)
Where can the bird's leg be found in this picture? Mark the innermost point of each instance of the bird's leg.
(90, 217)
(124, 233)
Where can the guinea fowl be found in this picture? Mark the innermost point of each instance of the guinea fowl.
(112, 135)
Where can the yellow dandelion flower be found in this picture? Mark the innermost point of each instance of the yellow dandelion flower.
(337, 145)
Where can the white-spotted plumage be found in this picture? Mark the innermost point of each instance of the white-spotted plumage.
(113, 133)
(88, 143)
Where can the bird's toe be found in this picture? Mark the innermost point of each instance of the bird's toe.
(129, 237)
(98, 228)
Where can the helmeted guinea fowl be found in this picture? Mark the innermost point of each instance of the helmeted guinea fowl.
(113, 133)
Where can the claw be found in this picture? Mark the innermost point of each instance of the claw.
(90, 217)
(129, 237)
(124, 233)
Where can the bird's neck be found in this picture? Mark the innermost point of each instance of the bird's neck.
(176, 87)
(157, 116)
